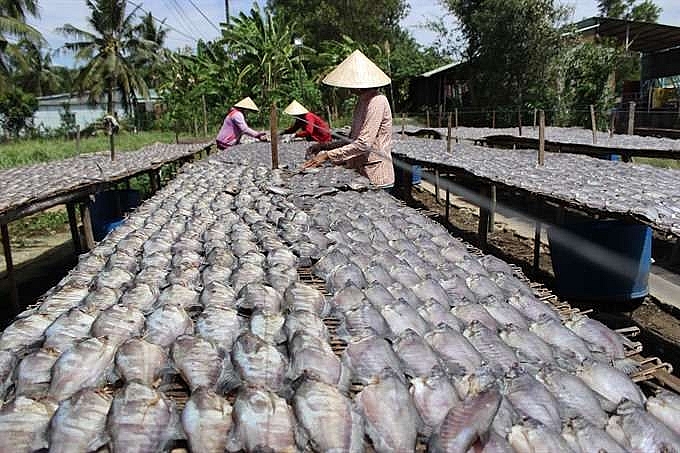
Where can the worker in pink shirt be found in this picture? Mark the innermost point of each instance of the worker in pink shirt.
(235, 125)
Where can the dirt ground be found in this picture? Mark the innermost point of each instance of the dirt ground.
(659, 329)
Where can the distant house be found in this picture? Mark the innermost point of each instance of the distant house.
(443, 87)
(50, 108)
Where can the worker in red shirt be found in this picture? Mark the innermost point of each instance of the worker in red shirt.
(307, 124)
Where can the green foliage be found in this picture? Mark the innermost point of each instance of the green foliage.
(586, 73)
(509, 44)
(24, 152)
(644, 11)
(17, 109)
(41, 224)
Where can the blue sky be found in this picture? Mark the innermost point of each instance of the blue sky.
(189, 25)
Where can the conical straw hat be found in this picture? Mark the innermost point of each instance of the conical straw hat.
(295, 108)
(357, 71)
(247, 103)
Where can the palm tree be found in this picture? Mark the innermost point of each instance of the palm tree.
(107, 50)
(34, 70)
(150, 56)
(13, 24)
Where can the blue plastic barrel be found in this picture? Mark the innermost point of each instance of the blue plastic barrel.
(604, 260)
(417, 172)
(108, 209)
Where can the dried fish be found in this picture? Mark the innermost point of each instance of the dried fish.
(139, 360)
(206, 420)
(79, 424)
(24, 423)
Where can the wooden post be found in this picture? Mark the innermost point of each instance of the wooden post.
(153, 184)
(541, 138)
(535, 115)
(205, 117)
(87, 225)
(492, 208)
(439, 120)
(448, 138)
(77, 138)
(330, 120)
(9, 265)
(631, 118)
(111, 142)
(427, 114)
(483, 225)
(73, 224)
(519, 120)
(537, 247)
(456, 118)
(403, 126)
(273, 126)
(448, 202)
(612, 123)
(176, 133)
(436, 186)
(493, 119)
(593, 123)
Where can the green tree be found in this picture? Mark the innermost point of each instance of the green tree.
(365, 21)
(34, 71)
(509, 44)
(107, 51)
(13, 25)
(644, 11)
(18, 108)
(150, 55)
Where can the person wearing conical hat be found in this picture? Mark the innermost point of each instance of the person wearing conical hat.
(235, 125)
(307, 124)
(370, 148)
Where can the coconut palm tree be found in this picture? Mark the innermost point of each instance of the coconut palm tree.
(150, 56)
(107, 49)
(13, 15)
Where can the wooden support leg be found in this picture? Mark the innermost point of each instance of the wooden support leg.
(87, 225)
(436, 186)
(9, 264)
(483, 226)
(448, 202)
(403, 180)
(675, 252)
(73, 224)
(537, 247)
(492, 207)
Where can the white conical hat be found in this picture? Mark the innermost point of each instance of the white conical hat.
(295, 108)
(357, 71)
(247, 103)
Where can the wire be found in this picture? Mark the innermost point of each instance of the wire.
(204, 16)
(185, 17)
(137, 5)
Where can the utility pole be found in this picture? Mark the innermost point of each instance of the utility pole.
(226, 9)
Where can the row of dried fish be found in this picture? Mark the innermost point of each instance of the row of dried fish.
(641, 191)
(25, 184)
(564, 135)
(199, 288)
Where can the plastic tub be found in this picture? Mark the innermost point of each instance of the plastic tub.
(605, 260)
(417, 172)
(108, 209)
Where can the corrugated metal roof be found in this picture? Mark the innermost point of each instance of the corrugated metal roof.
(640, 36)
(439, 69)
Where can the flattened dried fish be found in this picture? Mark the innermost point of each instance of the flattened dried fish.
(300, 296)
(198, 361)
(611, 383)
(219, 325)
(139, 360)
(119, 323)
(454, 349)
(637, 430)
(584, 437)
(417, 357)
(665, 406)
(314, 357)
(433, 396)
(258, 362)
(166, 323)
(24, 423)
(206, 420)
(368, 357)
(34, 373)
(79, 425)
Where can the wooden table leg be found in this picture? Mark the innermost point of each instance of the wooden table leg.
(73, 224)
(9, 264)
(87, 225)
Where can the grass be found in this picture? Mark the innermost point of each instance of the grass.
(41, 224)
(663, 163)
(25, 152)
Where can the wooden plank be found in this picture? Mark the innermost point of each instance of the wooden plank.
(631, 118)
(483, 225)
(492, 208)
(87, 225)
(73, 225)
(9, 265)
(593, 123)
(537, 246)
(448, 202)
(541, 139)
(436, 186)
(448, 135)
(274, 137)
(403, 126)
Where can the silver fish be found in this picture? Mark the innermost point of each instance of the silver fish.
(68, 329)
(401, 316)
(493, 443)
(349, 297)
(637, 430)
(245, 274)
(263, 421)
(258, 295)
(584, 437)
(139, 360)
(391, 420)
(34, 373)
(8, 361)
(268, 326)
(454, 349)
(433, 396)
(141, 419)
(553, 332)
(368, 357)
(180, 296)
(378, 295)
(280, 277)
(436, 314)
(598, 335)
(377, 273)
(533, 437)
(430, 289)
(282, 256)
(532, 399)
(611, 383)
(68, 373)
(499, 356)
(575, 397)
(307, 322)
(217, 295)
(79, 424)
(504, 313)
(118, 323)
(475, 312)
(465, 423)
(665, 406)
(532, 308)
(219, 325)
(417, 357)
(328, 418)
(528, 346)
(167, 323)
(365, 320)
(206, 420)
(24, 423)
(258, 362)
(198, 361)
(141, 296)
(25, 334)
(313, 356)
(300, 296)
(484, 287)
(400, 291)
